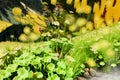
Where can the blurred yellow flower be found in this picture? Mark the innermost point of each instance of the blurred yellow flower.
(91, 62)
(23, 37)
(39, 22)
(53, 2)
(4, 25)
(76, 3)
(96, 7)
(83, 30)
(110, 53)
(102, 6)
(104, 44)
(79, 9)
(108, 16)
(41, 17)
(26, 30)
(98, 20)
(89, 25)
(17, 11)
(21, 20)
(116, 13)
(84, 3)
(95, 47)
(109, 3)
(81, 22)
(33, 36)
(32, 15)
(69, 2)
(87, 9)
(72, 28)
(103, 24)
(36, 29)
(82, 7)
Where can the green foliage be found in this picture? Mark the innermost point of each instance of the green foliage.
(99, 48)
(61, 46)
(36, 62)
(59, 59)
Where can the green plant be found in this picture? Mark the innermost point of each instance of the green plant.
(61, 46)
(36, 62)
(96, 48)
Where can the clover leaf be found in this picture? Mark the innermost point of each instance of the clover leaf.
(61, 64)
(51, 67)
(39, 74)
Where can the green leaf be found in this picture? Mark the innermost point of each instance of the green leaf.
(55, 77)
(23, 72)
(1, 77)
(17, 78)
(1, 62)
(102, 63)
(36, 50)
(47, 59)
(4, 73)
(39, 74)
(12, 67)
(117, 44)
(24, 62)
(82, 66)
(61, 65)
(60, 71)
(113, 65)
(51, 67)
(36, 60)
(68, 78)
(49, 78)
(30, 74)
(69, 72)
(100, 57)
(24, 59)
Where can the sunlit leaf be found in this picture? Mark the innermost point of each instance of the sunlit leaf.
(23, 72)
(12, 67)
(17, 78)
(102, 63)
(55, 77)
(39, 74)
(69, 72)
(60, 71)
(113, 65)
(61, 65)
(51, 67)
(47, 59)
(4, 73)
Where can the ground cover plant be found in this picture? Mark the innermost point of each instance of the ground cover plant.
(97, 49)
(61, 59)
(45, 62)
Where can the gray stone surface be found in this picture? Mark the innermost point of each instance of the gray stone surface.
(114, 74)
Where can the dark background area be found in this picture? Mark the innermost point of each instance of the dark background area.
(16, 29)
(7, 5)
